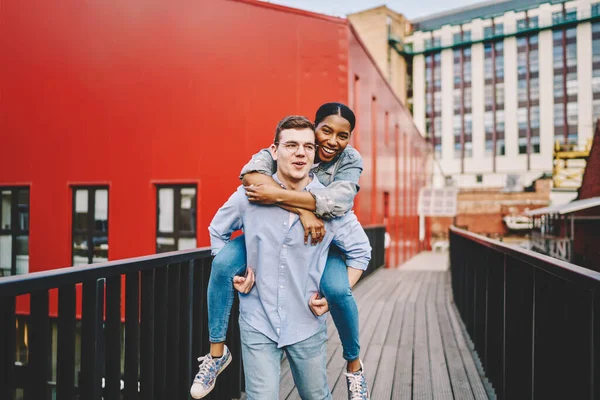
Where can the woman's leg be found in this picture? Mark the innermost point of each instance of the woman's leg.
(336, 289)
(228, 263)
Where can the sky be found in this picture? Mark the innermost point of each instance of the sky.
(410, 9)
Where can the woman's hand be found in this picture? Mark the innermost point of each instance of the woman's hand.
(263, 194)
(313, 226)
(244, 284)
(318, 305)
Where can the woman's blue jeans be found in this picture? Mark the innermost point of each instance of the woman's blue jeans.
(231, 261)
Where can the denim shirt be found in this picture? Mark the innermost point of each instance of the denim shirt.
(339, 175)
(287, 271)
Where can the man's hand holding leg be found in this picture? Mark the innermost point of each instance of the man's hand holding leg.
(244, 284)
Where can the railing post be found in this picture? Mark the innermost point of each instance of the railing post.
(113, 339)
(132, 335)
(91, 329)
(173, 326)
(7, 347)
(147, 337)
(185, 339)
(65, 374)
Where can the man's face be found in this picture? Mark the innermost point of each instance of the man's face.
(295, 153)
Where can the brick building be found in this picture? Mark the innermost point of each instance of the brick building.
(483, 210)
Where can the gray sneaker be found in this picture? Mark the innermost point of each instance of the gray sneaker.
(206, 377)
(357, 384)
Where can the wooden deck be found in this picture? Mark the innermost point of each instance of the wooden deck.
(412, 342)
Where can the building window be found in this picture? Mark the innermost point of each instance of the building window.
(488, 31)
(176, 218)
(14, 231)
(565, 85)
(479, 178)
(596, 68)
(90, 225)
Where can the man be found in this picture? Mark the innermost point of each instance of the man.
(281, 313)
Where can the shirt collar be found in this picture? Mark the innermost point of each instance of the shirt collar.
(311, 184)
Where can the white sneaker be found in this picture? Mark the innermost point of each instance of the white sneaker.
(357, 384)
(210, 368)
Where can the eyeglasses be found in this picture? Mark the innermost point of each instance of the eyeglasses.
(293, 147)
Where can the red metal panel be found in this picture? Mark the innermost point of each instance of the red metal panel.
(130, 94)
(133, 93)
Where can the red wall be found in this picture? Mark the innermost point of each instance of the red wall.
(395, 154)
(134, 93)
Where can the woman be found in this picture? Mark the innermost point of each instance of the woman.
(337, 166)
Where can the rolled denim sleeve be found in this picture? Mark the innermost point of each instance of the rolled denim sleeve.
(352, 240)
(337, 199)
(227, 220)
(261, 162)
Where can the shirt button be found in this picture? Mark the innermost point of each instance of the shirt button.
(284, 246)
(277, 330)
(285, 223)
(281, 287)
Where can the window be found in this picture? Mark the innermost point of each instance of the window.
(533, 22)
(500, 149)
(14, 231)
(499, 29)
(176, 218)
(479, 178)
(90, 225)
(488, 31)
(522, 119)
(522, 145)
(500, 95)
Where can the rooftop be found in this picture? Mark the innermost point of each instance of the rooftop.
(483, 10)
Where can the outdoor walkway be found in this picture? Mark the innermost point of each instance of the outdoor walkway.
(413, 345)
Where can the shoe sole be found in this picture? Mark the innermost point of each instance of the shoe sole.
(215, 382)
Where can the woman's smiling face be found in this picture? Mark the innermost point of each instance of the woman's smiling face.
(333, 135)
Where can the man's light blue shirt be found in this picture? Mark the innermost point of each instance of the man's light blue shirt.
(287, 271)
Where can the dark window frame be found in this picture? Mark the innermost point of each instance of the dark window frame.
(90, 232)
(177, 232)
(15, 230)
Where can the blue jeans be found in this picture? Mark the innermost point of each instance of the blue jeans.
(262, 365)
(231, 261)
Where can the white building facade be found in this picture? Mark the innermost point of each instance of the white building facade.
(498, 85)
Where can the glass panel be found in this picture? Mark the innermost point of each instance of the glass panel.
(165, 244)
(100, 252)
(165, 210)
(81, 209)
(22, 254)
(5, 255)
(187, 222)
(186, 243)
(101, 211)
(80, 250)
(23, 210)
(6, 207)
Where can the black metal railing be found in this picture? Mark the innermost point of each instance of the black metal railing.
(376, 235)
(148, 352)
(164, 330)
(533, 319)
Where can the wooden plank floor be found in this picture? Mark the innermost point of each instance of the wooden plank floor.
(412, 342)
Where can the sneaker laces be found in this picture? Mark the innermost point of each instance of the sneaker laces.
(356, 386)
(206, 363)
